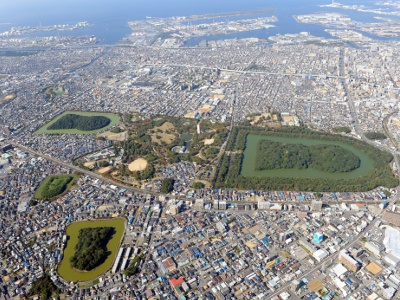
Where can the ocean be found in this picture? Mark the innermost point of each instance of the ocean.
(110, 17)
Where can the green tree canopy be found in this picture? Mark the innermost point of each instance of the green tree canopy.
(91, 250)
(84, 123)
(167, 185)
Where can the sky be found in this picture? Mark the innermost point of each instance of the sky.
(31, 12)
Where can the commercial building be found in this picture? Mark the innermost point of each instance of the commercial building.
(199, 204)
(316, 205)
(263, 205)
(222, 205)
(320, 254)
(392, 260)
(169, 264)
(318, 238)
(349, 262)
(374, 248)
(174, 210)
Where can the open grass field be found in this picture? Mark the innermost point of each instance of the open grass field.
(58, 92)
(113, 117)
(61, 182)
(165, 137)
(121, 136)
(208, 141)
(7, 98)
(66, 271)
(105, 170)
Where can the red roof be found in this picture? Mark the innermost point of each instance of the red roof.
(177, 281)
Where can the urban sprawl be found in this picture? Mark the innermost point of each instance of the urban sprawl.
(198, 242)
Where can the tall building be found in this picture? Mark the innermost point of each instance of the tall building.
(349, 262)
(215, 204)
(222, 205)
(174, 210)
(318, 237)
(199, 204)
(316, 205)
(282, 237)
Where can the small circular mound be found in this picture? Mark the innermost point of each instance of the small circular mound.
(138, 165)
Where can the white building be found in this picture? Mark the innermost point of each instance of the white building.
(320, 254)
(263, 205)
(391, 260)
(374, 248)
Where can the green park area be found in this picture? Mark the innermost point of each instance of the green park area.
(75, 122)
(91, 249)
(54, 186)
(301, 159)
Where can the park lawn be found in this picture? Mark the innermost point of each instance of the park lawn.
(57, 179)
(58, 92)
(113, 117)
(161, 131)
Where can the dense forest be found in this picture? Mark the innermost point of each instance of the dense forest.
(84, 123)
(167, 185)
(44, 288)
(228, 173)
(91, 250)
(273, 155)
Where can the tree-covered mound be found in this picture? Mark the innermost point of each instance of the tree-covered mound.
(229, 169)
(330, 158)
(84, 123)
(167, 185)
(44, 287)
(91, 250)
(53, 186)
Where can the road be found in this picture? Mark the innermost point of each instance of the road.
(78, 169)
(244, 72)
(357, 128)
(140, 191)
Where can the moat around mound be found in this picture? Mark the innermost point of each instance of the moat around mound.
(297, 165)
(53, 186)
(301, 159)
(66, 269)
(74, 122)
